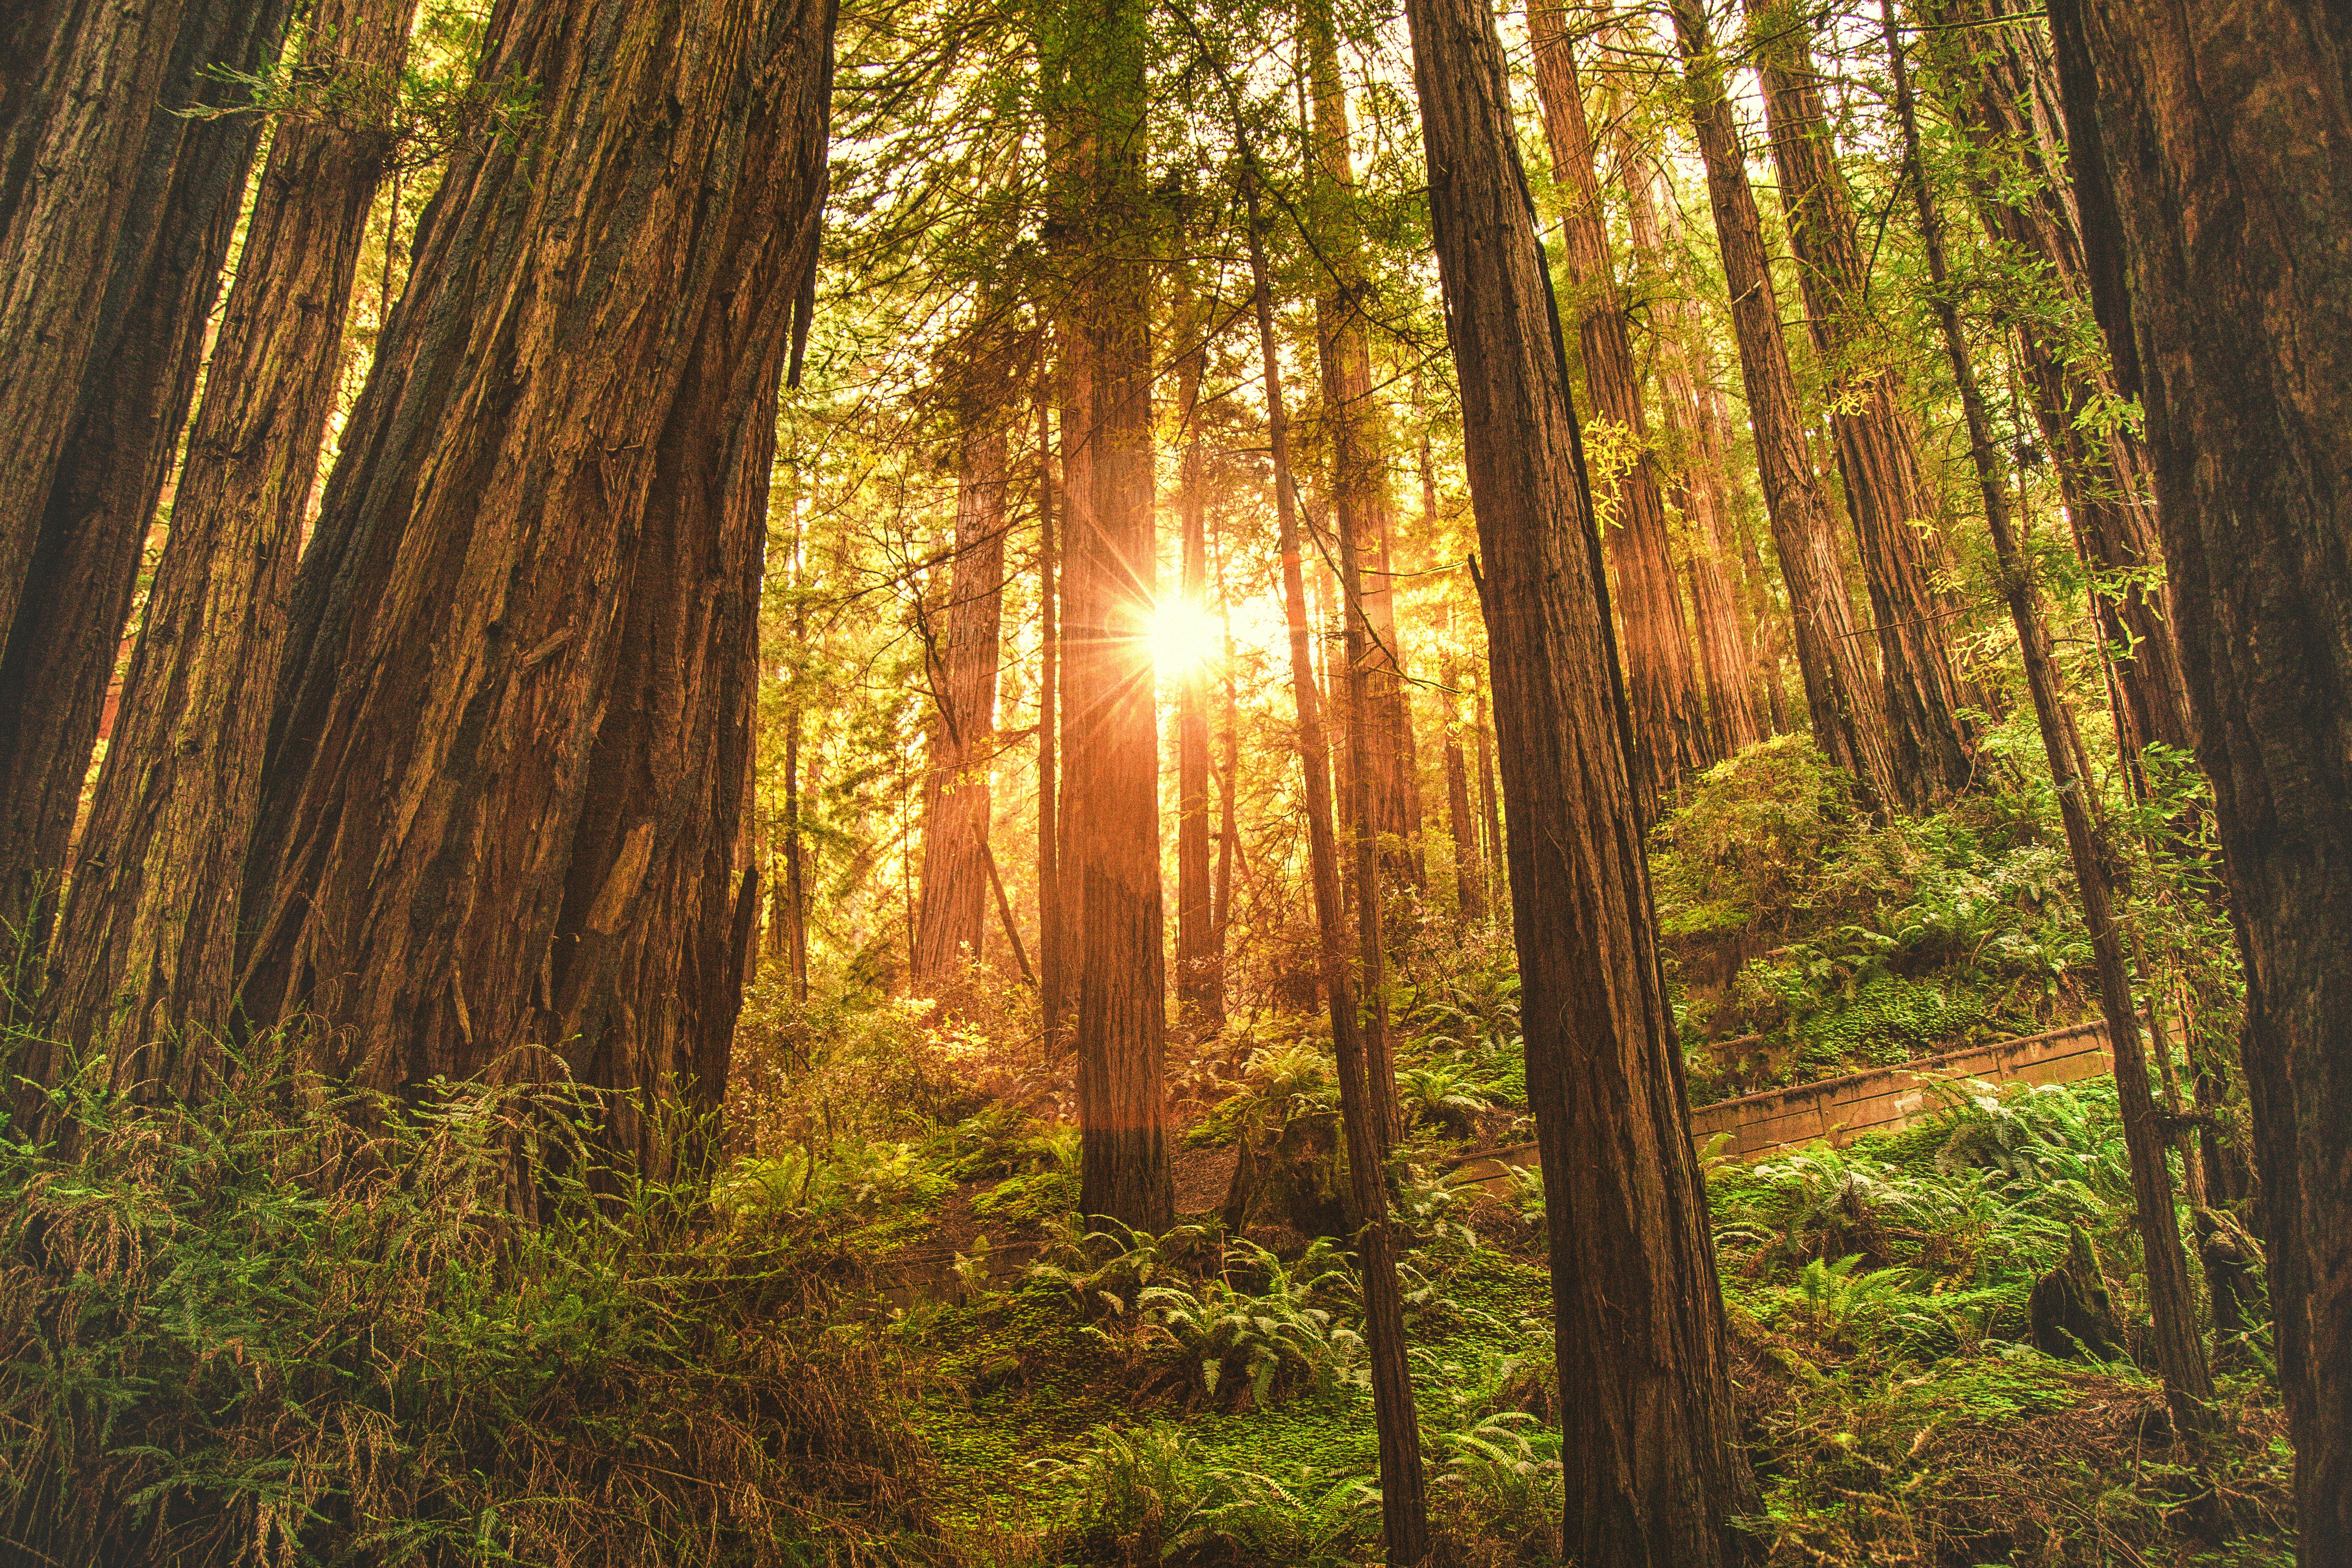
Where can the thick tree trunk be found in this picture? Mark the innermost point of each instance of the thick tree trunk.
(2214, 167)
(110, 287)
(148, 946)
(1652, 1465)
(953, 914)
(1199, 966)
(2002, 89)
(1931, 753)
(1110, 805)
(2179, 1356)
(1362, 509)
(1841, 692)
(1669, 723)
(1403, 1506)
(557, 481)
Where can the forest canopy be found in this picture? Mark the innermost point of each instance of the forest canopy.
(1100, 781)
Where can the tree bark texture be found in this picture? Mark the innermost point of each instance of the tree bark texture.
(2003, 91)
(1404, 1504)
(2212, 155)
(952, 917)
(1199, 957)
(1653, 1465)
(1110, 744)
(556, 482)
(1469, 866)
(1841, 692)
(1363, 511)
(148, 945)
(1931, 754)
(1668, 722)
(1052, 968)
(76, 498)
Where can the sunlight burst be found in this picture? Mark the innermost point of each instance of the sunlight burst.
(1185, 639)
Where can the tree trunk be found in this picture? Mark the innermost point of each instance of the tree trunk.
(953, 914)
(1200, 978)
(557, 481)
(1404, 1507)
(1111, 806)
(118, 216)
(1489, 803)
(1053, 961)
(2214, 169)
(1931, 754)
(148, 946)
(2003, 94)
(1841, 692)
(1469, 868)
(1362, 511)
(1668, 724)
(1652, 1465)
(2179, 1356)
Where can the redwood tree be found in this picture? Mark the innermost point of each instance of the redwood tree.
(149, 937)
(1651, 1455)
(1842, 691)
(2212, 156)
(526, 844)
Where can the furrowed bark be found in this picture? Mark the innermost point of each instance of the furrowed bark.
(2213, 164)
(1650, 1449)
(1842, 693)
(148, 945)
(1668, 722)
(524, 847)
(2179, 1354)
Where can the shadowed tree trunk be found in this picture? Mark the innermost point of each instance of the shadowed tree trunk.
(953, 915)
(2179, 1354)
(1110, 744)
(1841, 692)
(1668, 723)
(1200, 977)
(2002, 89)
(2213, 162)
(1931, 755)
(557, 480)
(1362, 509)
(149, 939)
(1404, 1507)
(1651, 1460)
(119, 214)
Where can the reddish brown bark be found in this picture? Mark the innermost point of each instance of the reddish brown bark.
(2211, 149)
(1650, 1449)
(1469, 865)
(1053, 964)
(1200, 955)
(524, 846)
(962, 659)
(1669, 724)
(1843, 695)
(111, 259)
(148, 943)
(1931, 754)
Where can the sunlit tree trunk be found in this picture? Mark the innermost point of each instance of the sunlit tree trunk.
(1199, 966)
(1469, 867)
(953, 915)
(148, 943)
(1841, 692)
(1931, 753)
(523, 847)
(1651, 1456)
(1668, 723)
(1110, 744)
(2214, 167)
(1053, 949)
(1404, 1507)
(116, 214)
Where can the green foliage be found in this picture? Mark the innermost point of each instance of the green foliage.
(1748, 838)
(1151, 1495)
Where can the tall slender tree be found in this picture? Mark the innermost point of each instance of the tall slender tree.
(524, 846)
(1669, 723)
(1650, 1451)
(119, 196)
(1931, 754)
(1199, 957)
(2213, 162)
(1841, 692)
(148, 938)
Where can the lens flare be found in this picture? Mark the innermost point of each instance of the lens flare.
(1185, 639)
